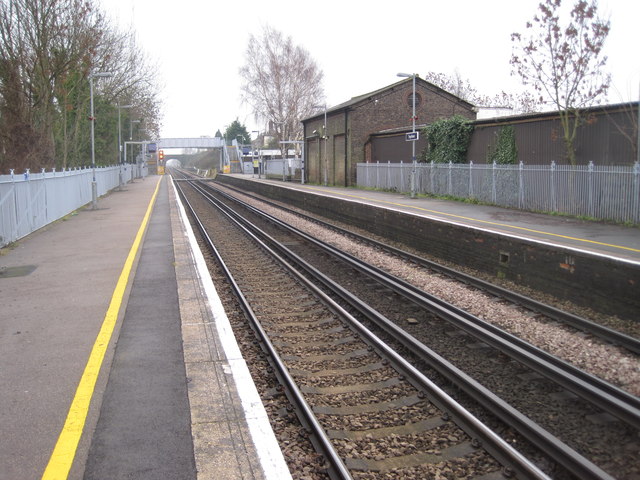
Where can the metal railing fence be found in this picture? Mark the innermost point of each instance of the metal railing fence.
(601, 192)
(30, 201)
(288, 168)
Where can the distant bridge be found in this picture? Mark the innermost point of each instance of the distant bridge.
(199, 142)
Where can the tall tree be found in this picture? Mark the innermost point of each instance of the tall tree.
(282, 83)
(237, 131)
(563, 60)
(47, 50)
(41, 42)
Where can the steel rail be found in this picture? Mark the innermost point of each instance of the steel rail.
(606, 396)
(548, 443)
(610, 335)
(337, 468)
(540, 437)
(475, 428)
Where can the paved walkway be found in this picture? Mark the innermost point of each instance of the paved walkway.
(50, 320)
(72, 309)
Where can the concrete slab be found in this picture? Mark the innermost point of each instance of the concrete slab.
(143, 431)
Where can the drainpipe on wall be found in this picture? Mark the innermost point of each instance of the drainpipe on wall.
(304, 149)
(346, 145)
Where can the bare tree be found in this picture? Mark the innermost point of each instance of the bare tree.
(135, 77)
(454, 84)
(282, 83)
(564, 62)
(519, 103)
(626, 124)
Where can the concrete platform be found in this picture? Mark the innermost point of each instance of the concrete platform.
(598, 238)
(115, 358)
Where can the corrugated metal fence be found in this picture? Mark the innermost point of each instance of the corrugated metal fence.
(30, 201)
(600, 192)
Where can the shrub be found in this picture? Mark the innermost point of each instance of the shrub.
(504, 151)
(448, 140)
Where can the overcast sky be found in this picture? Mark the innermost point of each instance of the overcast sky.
(199, 47)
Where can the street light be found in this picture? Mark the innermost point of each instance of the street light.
(131, 122)
(94, 185)
(120, 107)
(325, 138)
(413, 130)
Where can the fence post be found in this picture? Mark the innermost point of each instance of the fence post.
(388, 173)
(494, 195)
(554, 206)
(378, 174)
(470, 194)
(449, 178)
(27, 177)
(590, 185)
(14, 233)
(431, 178)
(635, 214)
(521, 185)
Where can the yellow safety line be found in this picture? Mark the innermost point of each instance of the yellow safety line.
(65, 450)
(505, 225)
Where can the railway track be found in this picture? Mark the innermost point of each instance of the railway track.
(597, 330)
(412, 400)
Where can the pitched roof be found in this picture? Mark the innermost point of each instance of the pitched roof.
(368, 96)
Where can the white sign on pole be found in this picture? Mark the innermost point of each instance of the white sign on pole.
(412, 136)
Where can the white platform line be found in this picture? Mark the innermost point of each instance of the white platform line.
(262, 434)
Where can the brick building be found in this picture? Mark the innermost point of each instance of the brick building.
(331, 157)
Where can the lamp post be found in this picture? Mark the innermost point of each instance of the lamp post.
(413, 131)
(120, 107)
(131, 122)
(325, 137)
(94, 185)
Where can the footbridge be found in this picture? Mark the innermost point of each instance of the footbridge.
(231, 157)
(198, 142)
